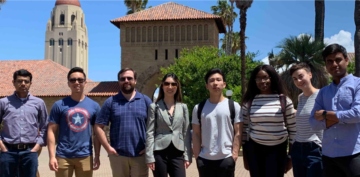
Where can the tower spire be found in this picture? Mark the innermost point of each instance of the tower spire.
(68, 2)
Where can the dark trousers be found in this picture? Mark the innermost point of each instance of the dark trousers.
(266, 161)
(169, 160)
(348, 166)
(216, 168)
(306, 160)
(18, 163)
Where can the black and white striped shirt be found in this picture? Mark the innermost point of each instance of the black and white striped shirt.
(267, 126)
(304, 131)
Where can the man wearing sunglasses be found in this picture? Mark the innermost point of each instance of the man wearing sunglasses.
(24, 119)
(127, 112)
(73, 116)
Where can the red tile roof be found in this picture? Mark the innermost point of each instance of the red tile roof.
(170, 11)
(49, 79)
(68, 2)
(351, 56)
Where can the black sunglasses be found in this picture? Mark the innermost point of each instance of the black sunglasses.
(173, 84)
(80, 80)
(122, 79)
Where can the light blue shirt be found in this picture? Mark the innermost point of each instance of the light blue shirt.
(342, 139)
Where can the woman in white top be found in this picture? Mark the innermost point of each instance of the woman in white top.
(306, 151)
(268, 124)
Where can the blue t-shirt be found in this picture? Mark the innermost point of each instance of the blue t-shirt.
(128, 122)
(74, 119)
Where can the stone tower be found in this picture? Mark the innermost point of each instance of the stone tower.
(153, 38)
(66, 39)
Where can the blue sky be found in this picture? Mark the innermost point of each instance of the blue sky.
(23, 25)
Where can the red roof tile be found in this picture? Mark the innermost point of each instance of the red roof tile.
(49, 79)
(351, 56)
(68, 2)
(170, 11)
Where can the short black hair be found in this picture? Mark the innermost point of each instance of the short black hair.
(22, 72)
(124, 70)
(298, 66)
(74, 70)
(214, 71)
(334, 48)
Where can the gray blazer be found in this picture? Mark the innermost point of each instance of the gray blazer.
(160, 133)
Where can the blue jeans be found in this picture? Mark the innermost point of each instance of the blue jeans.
(306, 160)
(18, 163)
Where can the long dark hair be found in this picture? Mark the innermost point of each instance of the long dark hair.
(177, 96)
(277, 86)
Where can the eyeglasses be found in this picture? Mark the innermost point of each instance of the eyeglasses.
(80, 80)
(122, 79)
(20, 81)
(259, 80)
(173, 84)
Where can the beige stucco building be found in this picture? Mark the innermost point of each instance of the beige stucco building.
(66, 38)
(153, 38)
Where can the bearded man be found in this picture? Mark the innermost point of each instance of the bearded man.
(127, 112)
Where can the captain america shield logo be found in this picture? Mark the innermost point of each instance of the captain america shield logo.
(77, 119)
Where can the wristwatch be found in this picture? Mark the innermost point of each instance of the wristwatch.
(324, 114)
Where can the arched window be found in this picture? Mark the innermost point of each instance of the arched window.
(138, 34)
(62, 19)
(85, 46)
(144, 34)
(155, 34)
(149, 34)
(52, 21)
(161, 33)
(69, 41)
(188, 33)
(79, 43)
(183, 33)
(82, 22)
(82, 44)
(72, 19)
(194, 33)
(61, 42)
(127, 34)
(200, 32)
(52, 42)
(133, 34)
(171, 33)
(166, 33)
(206, 35)
(177, 33)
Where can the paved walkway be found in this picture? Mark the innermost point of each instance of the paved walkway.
(105, 169)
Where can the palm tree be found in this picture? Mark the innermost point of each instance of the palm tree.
(357, 38)
(223, 10)
(135, 5)
(243, 5)
(296, 50)
(319, 20)
(232, 24)
(2, 2)
(235, 45)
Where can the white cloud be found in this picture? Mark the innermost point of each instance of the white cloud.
(302, 34)
(343, 38)
(265, 60)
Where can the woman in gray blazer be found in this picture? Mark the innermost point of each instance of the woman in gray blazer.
(168, 143)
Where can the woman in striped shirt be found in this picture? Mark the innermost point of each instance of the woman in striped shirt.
(306, 151)
(268, 124)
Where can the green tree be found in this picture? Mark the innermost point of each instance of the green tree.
(235, 43)
(193, 64)
(351, 68)
(223, 9)
(243, 5)
(357, 37)
(296, 50)
(319, 20)
(135, 5)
